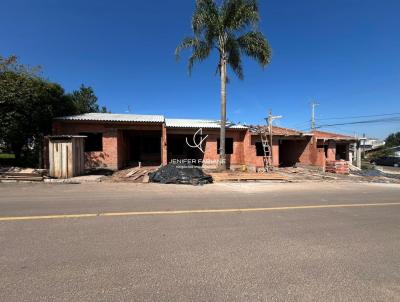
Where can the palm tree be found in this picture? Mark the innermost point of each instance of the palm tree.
(231, 29)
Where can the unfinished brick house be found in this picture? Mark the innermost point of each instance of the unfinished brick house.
(115, 141)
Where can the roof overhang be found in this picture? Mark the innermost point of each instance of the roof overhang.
(114, 118)
(338, 139)
(65, 136)
(197, 124)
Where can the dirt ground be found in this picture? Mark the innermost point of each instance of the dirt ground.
(300, 174)
(292, 174)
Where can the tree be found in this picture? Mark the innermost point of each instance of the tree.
(28, 104)
(231, 29)
(85, 100)
(393, 140)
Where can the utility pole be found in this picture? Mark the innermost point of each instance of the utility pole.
(313, 105)
(270, 119)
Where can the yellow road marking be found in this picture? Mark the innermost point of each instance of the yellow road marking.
(177, 212)
(47, 217)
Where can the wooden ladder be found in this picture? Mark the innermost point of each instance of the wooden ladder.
(267, 157)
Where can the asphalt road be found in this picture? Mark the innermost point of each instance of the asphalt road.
(319, 253)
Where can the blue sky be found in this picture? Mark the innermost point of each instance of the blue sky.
(342, 53)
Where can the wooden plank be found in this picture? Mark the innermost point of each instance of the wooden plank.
(246, 176)
(132, 172)
(51, 158)
(27, 178)
(146, 178)
(57, 159)
(22, 176)
(64, 168)
(70, 162)
(19, 174)
(142, 173)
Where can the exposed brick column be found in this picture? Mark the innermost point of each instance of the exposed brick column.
(275, 152)
(331, 151)
(247, 152)
(164, 151)
(109, 155)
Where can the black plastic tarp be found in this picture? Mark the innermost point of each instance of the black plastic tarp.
(180, 174)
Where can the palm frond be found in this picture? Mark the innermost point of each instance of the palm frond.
(234, 59)
(239, 14)
(200, 50)
(255, 45)
(217, 27)
(205, 20)
(187, 42)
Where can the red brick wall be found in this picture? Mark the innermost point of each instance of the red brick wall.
(234, 160)
(108, 158)
(294, 151)
(116, 145)
(313, 155)
(250, 154)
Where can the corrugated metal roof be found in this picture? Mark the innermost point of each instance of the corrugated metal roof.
(193, 123)
(112, 117)
(61, 136)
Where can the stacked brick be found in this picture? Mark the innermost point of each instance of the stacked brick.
(337, 167)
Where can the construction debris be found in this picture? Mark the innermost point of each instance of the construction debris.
(337, 167)
(21, 174)
(132, 172)
(135, 174)
(310, 174)
(140, 174)
(239, 176)
(354, 168)
(180, 174)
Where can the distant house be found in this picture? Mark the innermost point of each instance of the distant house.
(115, 141)
(372, 144)
(395, 150)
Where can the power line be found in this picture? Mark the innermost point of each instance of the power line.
(383, 120)
(360, 116)
(345, 130)
(299, 124)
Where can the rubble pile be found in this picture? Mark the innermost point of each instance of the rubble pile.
(310, 174)
(180, 174)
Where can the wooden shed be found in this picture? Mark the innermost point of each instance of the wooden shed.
(66, 155)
